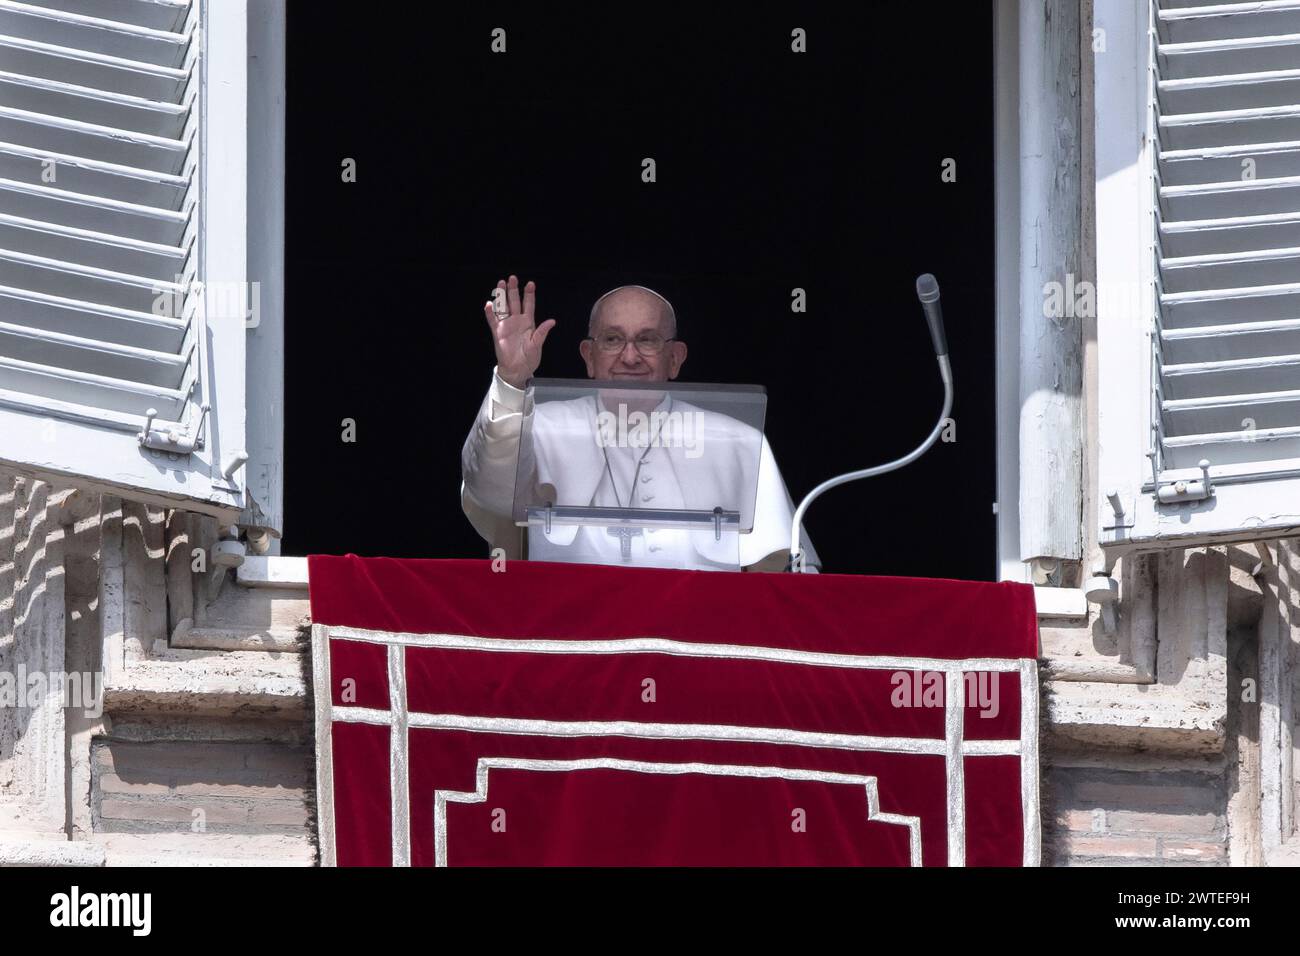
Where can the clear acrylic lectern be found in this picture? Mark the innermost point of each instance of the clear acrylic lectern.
(643, 474)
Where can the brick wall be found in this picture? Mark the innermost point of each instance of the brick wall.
(1102, 816)
(200, 787)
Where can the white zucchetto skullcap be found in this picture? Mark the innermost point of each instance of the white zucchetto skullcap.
(672, 313)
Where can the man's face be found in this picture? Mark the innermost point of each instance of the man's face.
(632, 313)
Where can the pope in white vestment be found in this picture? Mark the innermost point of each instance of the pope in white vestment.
(650, 467)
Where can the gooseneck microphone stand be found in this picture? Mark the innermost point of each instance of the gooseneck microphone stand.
(927, 290)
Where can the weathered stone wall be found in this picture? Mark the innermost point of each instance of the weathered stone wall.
(1167, 739)
(32, 612)
(186, 753)
(1194, 765)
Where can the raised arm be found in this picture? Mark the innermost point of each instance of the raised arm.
(491, 450)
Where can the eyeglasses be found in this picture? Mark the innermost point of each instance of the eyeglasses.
(647, 343)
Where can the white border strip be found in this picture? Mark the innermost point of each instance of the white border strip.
(485, 764)
(659, 645)
(926, 746)
(1029, 795)
(954, 713)
(399, 775)
(323, 697)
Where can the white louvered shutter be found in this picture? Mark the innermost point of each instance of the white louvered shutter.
(123, 245)
(1220, 299)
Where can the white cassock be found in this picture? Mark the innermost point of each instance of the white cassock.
(585, 471)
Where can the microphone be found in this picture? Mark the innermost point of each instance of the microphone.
(927, 290)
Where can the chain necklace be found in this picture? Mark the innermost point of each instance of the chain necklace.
(635, 475)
